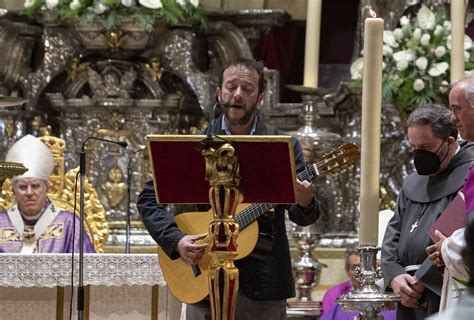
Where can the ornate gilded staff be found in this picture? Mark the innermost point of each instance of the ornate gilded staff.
(222, 172)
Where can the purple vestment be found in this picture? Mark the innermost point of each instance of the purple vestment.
(333, 311)
(56, 239)
(333, 293)
(469, 190)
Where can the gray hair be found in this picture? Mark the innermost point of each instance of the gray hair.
(469, 92)
(467, 84)
(350, 251)
(438, 117)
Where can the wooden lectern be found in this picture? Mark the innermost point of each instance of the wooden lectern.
(251, 169)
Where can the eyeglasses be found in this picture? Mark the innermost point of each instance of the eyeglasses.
(353, 266)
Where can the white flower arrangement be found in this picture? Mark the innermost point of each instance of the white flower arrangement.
(416, 59)
(110, 12)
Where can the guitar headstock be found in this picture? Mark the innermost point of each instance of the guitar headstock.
(338, 160)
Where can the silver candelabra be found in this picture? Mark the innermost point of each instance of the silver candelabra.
(368, 298)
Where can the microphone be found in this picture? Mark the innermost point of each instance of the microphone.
(82, 171)
(123, 144)
(212, 116)
(224, 104)
(82, 158)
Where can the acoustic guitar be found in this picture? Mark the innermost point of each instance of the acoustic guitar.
(189, 284)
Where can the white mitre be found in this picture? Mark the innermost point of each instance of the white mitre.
(34, 155)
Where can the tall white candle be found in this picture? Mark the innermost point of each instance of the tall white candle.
(311, 50)
(457, 39)
(370, 136)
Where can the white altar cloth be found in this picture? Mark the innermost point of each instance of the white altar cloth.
(122, 286)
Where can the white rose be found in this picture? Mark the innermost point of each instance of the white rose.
(426, 18)
(100, 8)
(74, 5)
(127, 3)
(151, 4)
(417, 33)
(425, 39)
(421, 63)
(447, 25)
(418, 85)
(181, 2)
(387, 50)
(444, 86)
(402, 65)
(404, 21)
(467, 42)
(438, 69)
(29, 3)
(440, 51)
(467, 55)
(408, 55)
(51, 4)
(356, 69)
(398, 34)
(467, 73)
(389, 39)
(384, 65)
(438, 30)
(195, 3)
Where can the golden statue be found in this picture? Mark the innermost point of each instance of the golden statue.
(115, 38)
(115, 189)
(74, 67)
(154, 69)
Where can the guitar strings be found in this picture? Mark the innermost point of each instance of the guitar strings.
(351, 152)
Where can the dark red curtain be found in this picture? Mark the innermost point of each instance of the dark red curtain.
(283, 50)
(283, 47)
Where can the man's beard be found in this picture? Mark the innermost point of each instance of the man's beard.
(243, 120)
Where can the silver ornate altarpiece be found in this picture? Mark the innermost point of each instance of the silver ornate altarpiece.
(84, 81)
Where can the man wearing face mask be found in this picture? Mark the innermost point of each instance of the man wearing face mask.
(441, 165)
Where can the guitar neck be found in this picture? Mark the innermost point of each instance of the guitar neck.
(255, 211)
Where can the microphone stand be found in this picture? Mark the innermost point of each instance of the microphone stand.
(208, 141)
(82, 173)
(129, 195)
(129, 184)
(80, 288)
(212, 116)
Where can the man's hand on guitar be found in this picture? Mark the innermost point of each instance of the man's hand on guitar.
(304, 193)
(190, 249)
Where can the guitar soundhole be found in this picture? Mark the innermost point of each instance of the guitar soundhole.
(196, 270)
